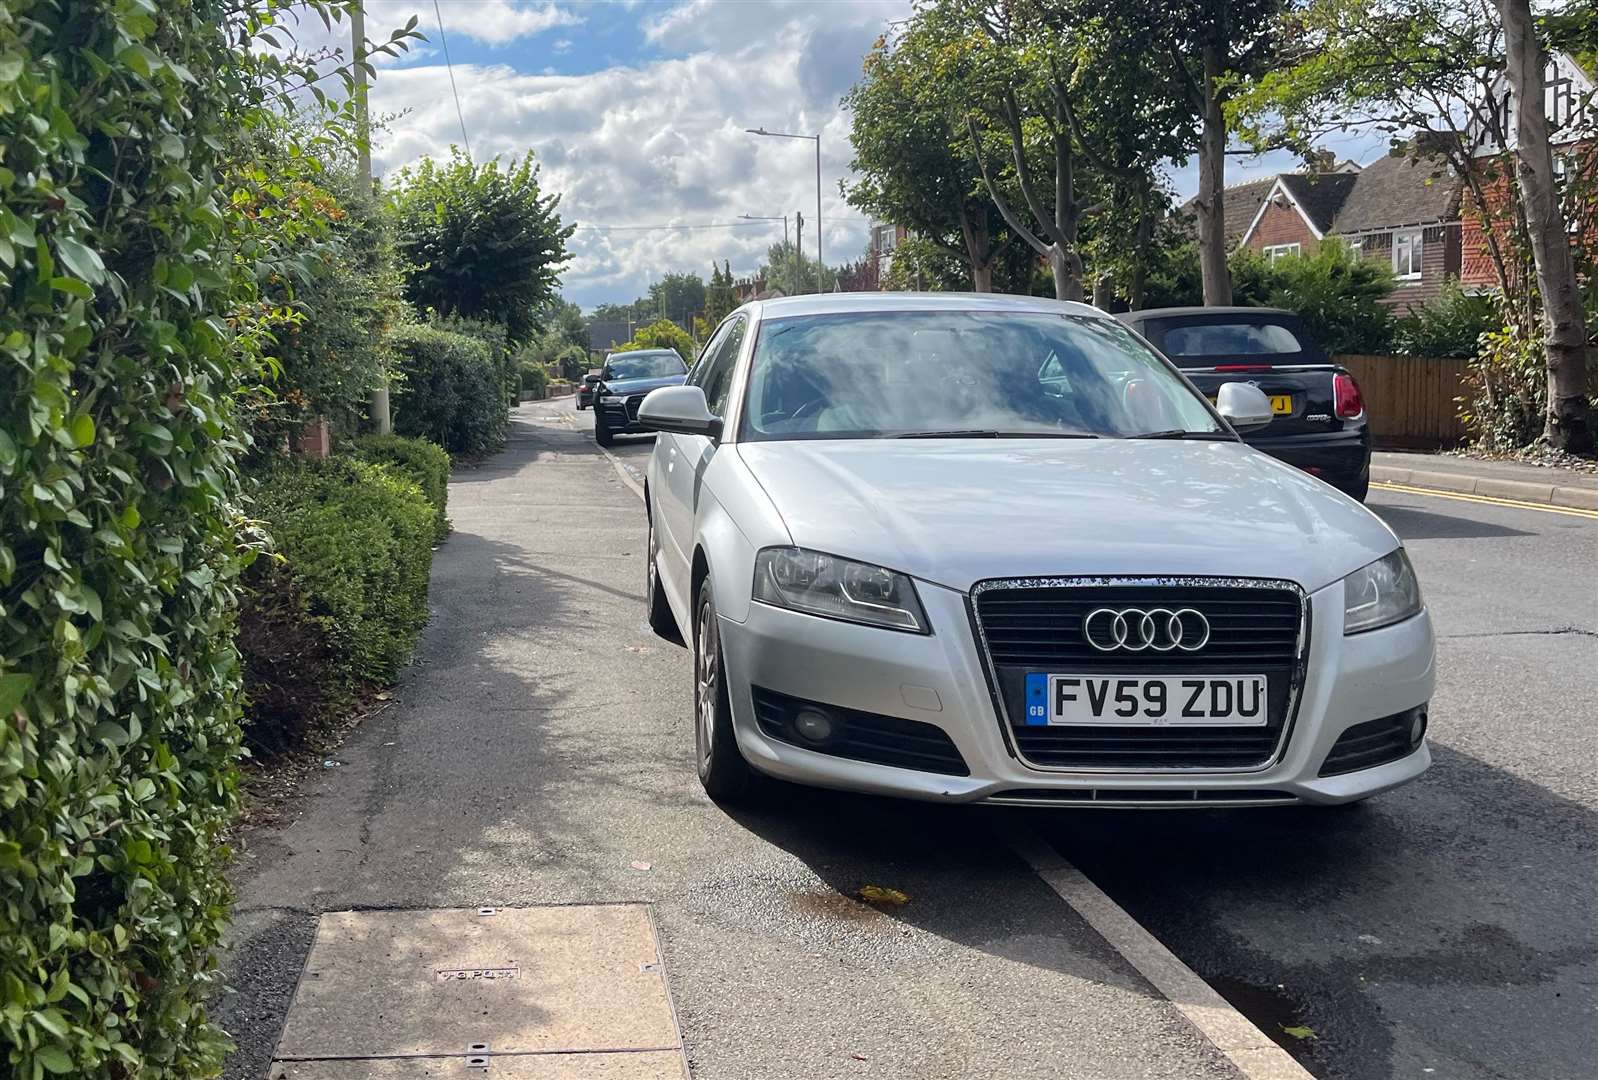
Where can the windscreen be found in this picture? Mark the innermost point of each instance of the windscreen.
(645, 365)
(927, 373)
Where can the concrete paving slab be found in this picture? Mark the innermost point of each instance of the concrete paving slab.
(645, 1065)
(519, 980)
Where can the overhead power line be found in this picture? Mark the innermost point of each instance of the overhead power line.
(456, 94)
(645, 228)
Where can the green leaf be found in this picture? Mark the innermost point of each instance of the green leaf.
(13, 688)
(82, 260)
(54, 1059)
(10, 69)
(82, 430)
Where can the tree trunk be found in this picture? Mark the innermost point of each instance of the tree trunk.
(1565, 338)
(978, 248)
(1137, 287)
(1067, 277)
(1212, 181)
(1103, 291)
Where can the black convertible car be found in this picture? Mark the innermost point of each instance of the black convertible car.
(1320, 423)
(623, 382)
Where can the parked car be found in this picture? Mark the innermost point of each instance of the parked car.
(1318, 420)
(999, 549)
(585, 389)
(623, 382)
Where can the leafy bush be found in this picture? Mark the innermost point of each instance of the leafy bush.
(1336, 291)
(343, 604)
(661, 334)
(452, 392)
(535, 379)
(119, 540)
(422, 461)
(1450, 325)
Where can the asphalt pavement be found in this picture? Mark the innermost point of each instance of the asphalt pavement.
(540, 752)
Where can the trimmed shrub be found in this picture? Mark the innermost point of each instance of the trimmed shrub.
(1336, 291)
(422, 461)
(119, 538)
(535, 379)
(452, 392)
(1450, 325)
(341, 606)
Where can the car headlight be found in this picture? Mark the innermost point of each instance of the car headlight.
(611, 399)
(819, 584)
(1380, 594)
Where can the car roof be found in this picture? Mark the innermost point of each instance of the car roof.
(840, 303)
(641, 352)
(1179, 312)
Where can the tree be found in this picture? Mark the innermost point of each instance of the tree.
(1565, 336)
(677, 297)
(787, 269)
(481, 240)
(661, 334)
(720, 297)
(1214, 47)
(913, 163)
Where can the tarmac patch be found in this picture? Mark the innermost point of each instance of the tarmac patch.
(546, 993)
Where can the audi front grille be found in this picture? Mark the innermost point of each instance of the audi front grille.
(1256, 627)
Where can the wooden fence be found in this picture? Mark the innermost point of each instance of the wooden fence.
(1410, 399)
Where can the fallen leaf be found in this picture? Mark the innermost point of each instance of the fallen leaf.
(881, 894)
(1299, 1032)
(384, 696)
(640, 866)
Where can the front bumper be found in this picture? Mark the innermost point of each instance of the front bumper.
(621, 416)
(939, 679)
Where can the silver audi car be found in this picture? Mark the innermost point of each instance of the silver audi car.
(993, 548)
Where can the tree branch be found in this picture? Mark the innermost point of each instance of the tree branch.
(1012, 115)
(1005, 212)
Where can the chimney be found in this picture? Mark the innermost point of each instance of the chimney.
(1325, 161)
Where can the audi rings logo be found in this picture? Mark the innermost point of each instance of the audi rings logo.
(1134, 630)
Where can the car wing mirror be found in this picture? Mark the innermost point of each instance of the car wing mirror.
(1243, 405)
(679, 409)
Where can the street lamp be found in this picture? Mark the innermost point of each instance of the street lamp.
(820, 266)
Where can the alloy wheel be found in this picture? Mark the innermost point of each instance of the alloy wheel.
(705, 675)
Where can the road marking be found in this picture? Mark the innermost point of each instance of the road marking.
(1246, 1046)
(1490, 499)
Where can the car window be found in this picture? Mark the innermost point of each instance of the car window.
(887, 373)
(1230, 339)
(713, 373)
(656, 364)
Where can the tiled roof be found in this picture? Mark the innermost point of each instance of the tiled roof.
(1397, 190)
(1242, 202)
(1320, 195)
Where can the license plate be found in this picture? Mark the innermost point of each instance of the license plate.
(1128, 701)
(1281, 404)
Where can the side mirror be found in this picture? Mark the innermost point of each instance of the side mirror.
(1243, 406)
(679, 409)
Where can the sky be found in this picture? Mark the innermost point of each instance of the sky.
(637, 110)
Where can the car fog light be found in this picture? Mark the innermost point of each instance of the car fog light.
(1417, 727)
(813, 725)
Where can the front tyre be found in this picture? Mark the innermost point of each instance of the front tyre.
(602, 434)
(661, 620)
(723, 771)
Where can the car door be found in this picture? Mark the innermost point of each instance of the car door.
(686, 456)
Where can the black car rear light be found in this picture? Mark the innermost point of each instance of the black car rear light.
(1347, 403)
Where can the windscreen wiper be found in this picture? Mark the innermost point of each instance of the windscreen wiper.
(1180, 433)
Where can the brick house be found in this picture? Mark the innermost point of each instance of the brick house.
(1568, 101)
(1401, 211)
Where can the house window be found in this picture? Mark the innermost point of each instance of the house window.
(1406, 255)
(1281, 251)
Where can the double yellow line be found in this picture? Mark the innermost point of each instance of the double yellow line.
(1570, 511)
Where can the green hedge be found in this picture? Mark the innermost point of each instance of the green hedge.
(452, 391)
(341, 607)
(119, 550)
(422, 461)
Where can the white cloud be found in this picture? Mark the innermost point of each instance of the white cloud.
(663, 143)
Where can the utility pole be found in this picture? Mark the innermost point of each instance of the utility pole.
(381, 419)
(816, 138)
(798, 247)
